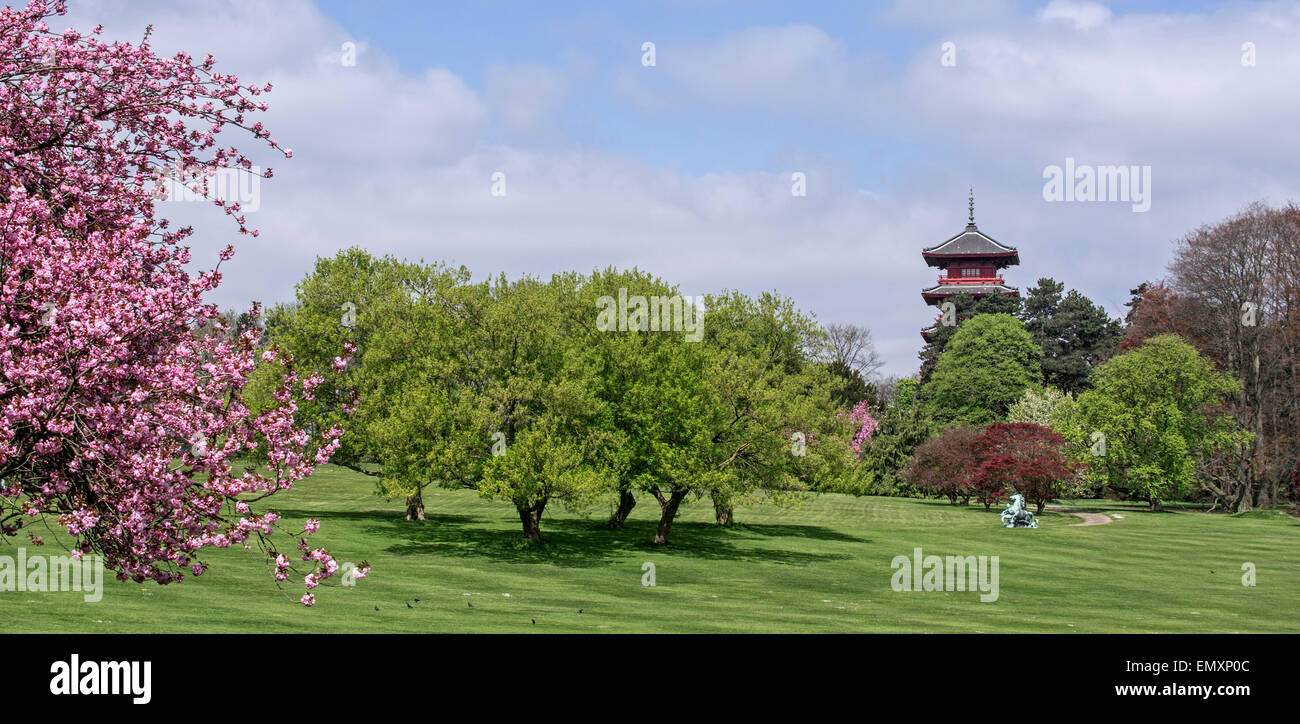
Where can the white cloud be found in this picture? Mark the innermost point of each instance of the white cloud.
(524, 98)
(788, 70)
(1082, 15)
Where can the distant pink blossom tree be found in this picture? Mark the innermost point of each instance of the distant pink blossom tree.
(864, 426)
(117, 419)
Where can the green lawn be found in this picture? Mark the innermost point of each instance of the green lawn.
(823, 568)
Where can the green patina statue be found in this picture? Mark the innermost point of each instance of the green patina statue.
(1015, 516)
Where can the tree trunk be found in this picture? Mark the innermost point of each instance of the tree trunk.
(625, 504)
(721, 510)
(532, 519)
(415, 506)
(1156, 507)
(669, 507)
(1039, 511)
(1245, 501)
(965, 500)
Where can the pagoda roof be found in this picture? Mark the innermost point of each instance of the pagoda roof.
(939, 291)
(970, 243)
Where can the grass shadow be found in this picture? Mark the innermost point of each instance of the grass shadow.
(397, 519)
(578, 543)
(779, 530)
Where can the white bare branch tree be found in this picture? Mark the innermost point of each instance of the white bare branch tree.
(851, 345)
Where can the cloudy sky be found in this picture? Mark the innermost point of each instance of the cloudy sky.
(684, 168)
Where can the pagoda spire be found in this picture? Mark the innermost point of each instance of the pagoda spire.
(971, 218)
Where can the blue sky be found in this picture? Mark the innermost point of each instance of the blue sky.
(684, 169)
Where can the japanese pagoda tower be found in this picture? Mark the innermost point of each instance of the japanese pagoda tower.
(971, 261)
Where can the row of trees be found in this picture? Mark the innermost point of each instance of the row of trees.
(1073, 334)
(513, 389)
(1050, 339)
(1232, 292)
(1195, 395)
(986, 364)
(1149, 415)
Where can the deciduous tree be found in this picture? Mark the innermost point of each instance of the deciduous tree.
(965, 307)
(986, 367)
(1021, 456)
(1159, 409)
(718, 416)
(943, 464)
(118, 418)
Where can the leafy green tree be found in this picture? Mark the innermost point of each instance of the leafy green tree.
(402, 383)
(905, 393)
(743, 412)
(1074, 334)
(671, 413)
(902, 429)
(965, 307)
(985, 368)
(534, 384)
(333, 308)
(489, 386)
(625, 360)
(1153, 412)
(418, 414)
(786, 343)
(1046, 406)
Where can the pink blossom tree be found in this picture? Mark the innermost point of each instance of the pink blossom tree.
(864, 426)
(116, 418)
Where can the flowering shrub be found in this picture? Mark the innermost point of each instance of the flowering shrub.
(864, 426)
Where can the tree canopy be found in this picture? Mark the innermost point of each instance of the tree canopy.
(965, 307)
(984, 369)
(1075, 335)
(1155, 410)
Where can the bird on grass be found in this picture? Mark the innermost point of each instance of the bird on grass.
(467, 603)
(534, 621)
(376, 608)
(579, 610)
(409, 606)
